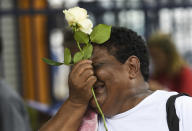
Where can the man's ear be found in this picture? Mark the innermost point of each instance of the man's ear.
(133, 66)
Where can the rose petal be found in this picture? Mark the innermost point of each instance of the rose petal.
(78, 13)
(70, 18)
(86, 26)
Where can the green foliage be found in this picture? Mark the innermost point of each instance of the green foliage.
(88, 49)
(77, 57)
(67, 56)
(51, 62)
(100, 34)
(81, 37)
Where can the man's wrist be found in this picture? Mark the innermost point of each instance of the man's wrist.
(75, 104)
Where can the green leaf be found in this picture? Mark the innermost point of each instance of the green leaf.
(77, 57)
(51, 62)
(81, 37)
(67, 56)
(87, 51)
(100, 34)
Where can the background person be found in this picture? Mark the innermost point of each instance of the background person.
(170, 70)
(13, 115)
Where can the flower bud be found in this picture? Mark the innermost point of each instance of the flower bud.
(78, 16)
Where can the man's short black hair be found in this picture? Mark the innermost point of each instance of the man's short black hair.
(124, 43)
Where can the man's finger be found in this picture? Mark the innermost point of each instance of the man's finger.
(91, 81)
(76, 66)
(86, 74)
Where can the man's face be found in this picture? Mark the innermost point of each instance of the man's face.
(112, 79)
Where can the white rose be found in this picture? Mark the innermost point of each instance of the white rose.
(75, 14)
(86, 26)
(78, 16)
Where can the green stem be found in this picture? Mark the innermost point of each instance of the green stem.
(75, 29)
(103, 117)
(79, 46)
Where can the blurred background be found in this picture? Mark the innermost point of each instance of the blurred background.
(33, 29)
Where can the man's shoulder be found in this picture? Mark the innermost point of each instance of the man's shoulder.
(166, 93)
(156, 101)
(183, 105)
(161, 95)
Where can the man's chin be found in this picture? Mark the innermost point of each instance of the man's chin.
(93, 104)
(95, 109)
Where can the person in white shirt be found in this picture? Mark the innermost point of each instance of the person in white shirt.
(150, 115)
(118, 70)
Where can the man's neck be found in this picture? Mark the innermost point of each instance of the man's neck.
(137, 95)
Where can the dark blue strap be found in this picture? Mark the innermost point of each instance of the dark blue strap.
(172, 119)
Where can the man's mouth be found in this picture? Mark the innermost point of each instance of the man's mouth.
(100, 93)
(99, 88)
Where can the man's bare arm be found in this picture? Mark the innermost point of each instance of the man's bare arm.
(69, 116)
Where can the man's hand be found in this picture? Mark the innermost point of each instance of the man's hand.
(81, 79)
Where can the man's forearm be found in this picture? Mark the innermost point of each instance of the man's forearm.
(68, 118)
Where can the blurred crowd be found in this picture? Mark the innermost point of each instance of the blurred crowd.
(169, 70)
